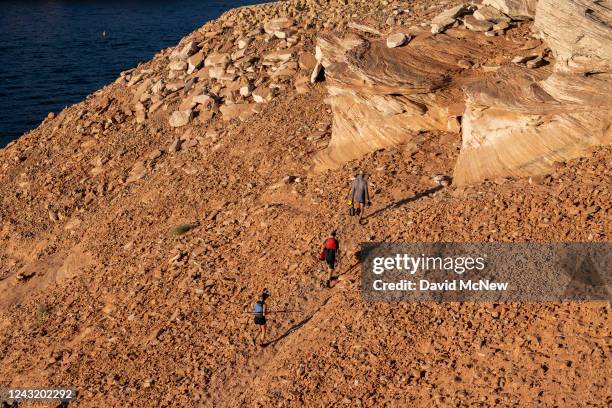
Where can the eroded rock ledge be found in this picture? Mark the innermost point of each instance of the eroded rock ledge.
(519, 105)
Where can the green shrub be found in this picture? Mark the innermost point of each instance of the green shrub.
(181, 229)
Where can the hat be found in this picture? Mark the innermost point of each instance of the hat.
(265, 294)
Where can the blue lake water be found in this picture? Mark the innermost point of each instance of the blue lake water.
(53, 53)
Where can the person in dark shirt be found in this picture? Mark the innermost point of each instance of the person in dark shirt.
(259, 312)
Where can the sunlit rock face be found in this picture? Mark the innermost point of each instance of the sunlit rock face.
(521, 121)
(516, 119)
(384, 96)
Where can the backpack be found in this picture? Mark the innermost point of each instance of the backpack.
(258, 309)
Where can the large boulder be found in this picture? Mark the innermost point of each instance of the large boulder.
(447, 18)
(517, 9)
(278, 25)
(185, 51)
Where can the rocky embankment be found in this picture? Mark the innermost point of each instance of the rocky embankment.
(138, 226)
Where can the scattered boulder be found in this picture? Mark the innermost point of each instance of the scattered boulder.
(447, 18)
(243, 42)
(263, 94)
(278, 56)
(465, 64)
(216, 72)
(139, 170)
(302, 85)
(474, 24)
(502, 25)
(521, 59)
(397, 40)
(240, 111)
(536, 62)
(516, 9)
(488, 13)
(195, 62)
(307, 61)
(246, 90)
(185, 52)
(207, 101)
(175, 146)
(363, 28)
(278, 25)
(180, 118)
(217, 60)
(178, 66)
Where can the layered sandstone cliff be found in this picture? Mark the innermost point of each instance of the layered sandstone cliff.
(519, 103)
(517, 123)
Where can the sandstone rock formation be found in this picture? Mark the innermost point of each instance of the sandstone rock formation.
(519, 123)
(514, 119)
(382, 97)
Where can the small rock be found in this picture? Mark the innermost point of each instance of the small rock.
(307, 61)
(289, 179)
(205, 100)
(364, 28)
(217, 60)
(178, 66)
(263, 94)
(195, 62)
(501, 26)
(175, 146)
(441, 180)
(246, 90)
(243, 43)
(302, 85)
(446, 18)
(521, 59)
(180, 118)
(53, 216)
(155, 154)
(185, 52)
(473, 24)
(397, 40)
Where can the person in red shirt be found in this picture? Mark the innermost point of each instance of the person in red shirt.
(330, 252)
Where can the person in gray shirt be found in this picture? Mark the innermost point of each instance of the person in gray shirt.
(359, 193)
